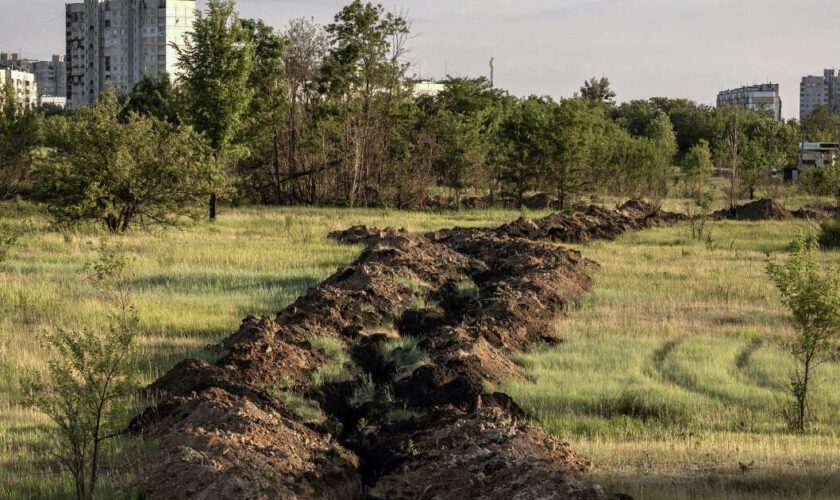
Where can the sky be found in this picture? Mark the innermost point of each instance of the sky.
(673, 48)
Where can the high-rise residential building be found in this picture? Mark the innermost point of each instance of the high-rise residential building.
(755, 97)
(23, 84)
(816, 91)
(115, 43)
(50, 76)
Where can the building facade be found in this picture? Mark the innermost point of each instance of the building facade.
(115, 43)
(50, 76)
(816, 91)
(764, 97)
(23, 84)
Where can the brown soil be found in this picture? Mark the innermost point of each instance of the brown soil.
(402, 422)
(757, 210)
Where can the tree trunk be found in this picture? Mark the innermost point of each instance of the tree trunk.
(213, 205)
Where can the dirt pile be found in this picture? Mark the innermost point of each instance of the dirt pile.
(373, 383)
(757, 210)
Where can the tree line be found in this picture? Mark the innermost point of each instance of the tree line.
(328, 115)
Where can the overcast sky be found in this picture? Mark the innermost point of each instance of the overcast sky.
(674, 48)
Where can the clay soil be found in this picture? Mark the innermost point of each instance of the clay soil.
(403, 419)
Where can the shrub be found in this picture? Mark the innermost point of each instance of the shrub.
(830, 234)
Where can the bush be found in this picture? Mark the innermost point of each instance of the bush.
(830, 234)
(119, 173)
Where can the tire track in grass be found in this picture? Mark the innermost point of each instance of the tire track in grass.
(742, 362)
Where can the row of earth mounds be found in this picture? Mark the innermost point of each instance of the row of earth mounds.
(766, 209)
(572, 226)
(377, 383)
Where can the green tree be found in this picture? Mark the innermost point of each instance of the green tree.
(216, 63)
(141, 171)
(664, 145)
(598, 90)
(753, 165)
(90, 379)
(363, 75)
(263, 125)
(821, 126)
(155, 96)
(572, 140)
(813, 296)
(527, 145)
(20, 132)
(697, 166)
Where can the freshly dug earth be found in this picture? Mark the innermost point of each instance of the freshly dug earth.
(398, 406)
(770, 210)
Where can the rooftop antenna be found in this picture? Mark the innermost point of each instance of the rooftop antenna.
(492, 71)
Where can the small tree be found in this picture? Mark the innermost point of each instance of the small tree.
(87, 387)
(118, 173)
(813, 297)
(697, 167)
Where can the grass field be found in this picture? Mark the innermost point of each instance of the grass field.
(670, 376)
(192, 288)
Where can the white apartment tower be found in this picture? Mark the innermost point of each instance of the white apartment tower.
(117, 42)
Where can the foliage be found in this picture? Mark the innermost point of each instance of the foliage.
(8, 238)
(20, 132)
(821, 126)
(155, 97)
(216, 62)
(598, 90)
(87, 387)
(830, 234)
(697, 166)
(813, 297)
(120, 173)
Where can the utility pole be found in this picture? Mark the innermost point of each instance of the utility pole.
(492, 71)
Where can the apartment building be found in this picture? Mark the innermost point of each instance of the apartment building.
(816, 91)
(23, 84)
(115, 43)
(50, 76)
(754, 97)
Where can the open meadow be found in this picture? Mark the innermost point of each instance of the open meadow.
(670, 377)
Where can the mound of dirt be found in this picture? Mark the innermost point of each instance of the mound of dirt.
(758, 210)
(539, 201)
(387, 416)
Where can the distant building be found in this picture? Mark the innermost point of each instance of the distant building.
(754, 97)
(813, 155)
(115, 43)
(23, 83)
(50, 76)
(816, 91)
(52, 100)
(427, 88)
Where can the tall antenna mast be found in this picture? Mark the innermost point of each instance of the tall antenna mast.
(492, 71)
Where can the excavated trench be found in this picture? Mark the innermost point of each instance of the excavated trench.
(375, 383)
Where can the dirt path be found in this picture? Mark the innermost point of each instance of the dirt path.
(399, 418)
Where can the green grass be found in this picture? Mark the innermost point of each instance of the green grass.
(192, 286)
(661, 381)
(673, 371)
